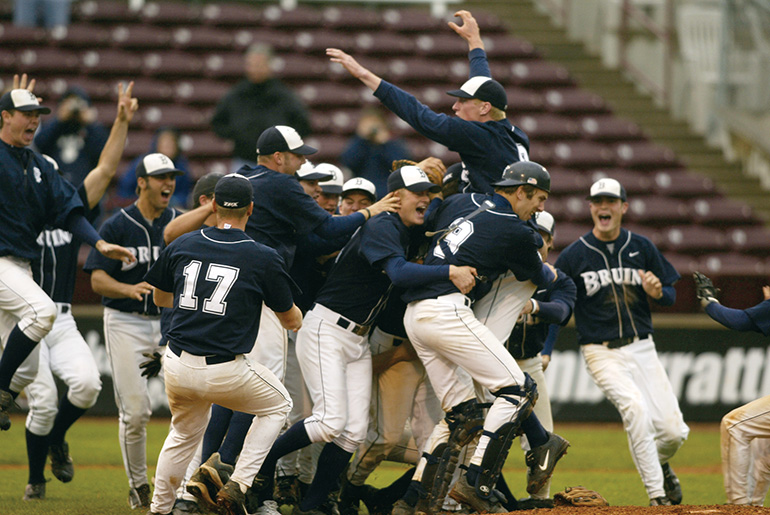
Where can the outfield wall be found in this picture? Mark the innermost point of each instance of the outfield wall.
(711, 369)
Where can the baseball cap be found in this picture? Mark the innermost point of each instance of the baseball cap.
(308, 172)
(485, 89)
(21, 100)
(545, 222)
(156, 164)
(411, 178)
(607, 188)
(360, 184)
(233, 191)
(205, 186)
(334, 185)
(282, 138)
(453, 173)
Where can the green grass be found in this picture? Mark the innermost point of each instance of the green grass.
(598, 459)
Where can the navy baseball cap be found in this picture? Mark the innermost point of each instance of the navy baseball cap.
(205, 186)
(545, 222)
(485, 89)
(607, 188)
(411, 178)
(233, 191)
(282, 138)
(309, 172)
(21, 100)
(156, 164)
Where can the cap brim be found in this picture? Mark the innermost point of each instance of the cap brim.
(164, 172)
(304, 150)
(331, 189)
(544, 229)
(42, 109)
(605, 195)
(320, 177)
(459, 93)
(424, 186)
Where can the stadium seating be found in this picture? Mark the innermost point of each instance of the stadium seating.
(184, 56)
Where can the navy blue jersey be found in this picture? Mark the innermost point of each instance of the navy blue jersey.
(56, 266)
(556, 301)
(129, 228)
(307, 271)
(391, 320)
(357, 286)
(32, 196)
(283, 211)
(494, 242)
(760, 315)
(611, 302)
(219, 278)
(485, 148)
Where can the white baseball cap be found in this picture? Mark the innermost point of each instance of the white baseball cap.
(334, 185)
(21, 100)
(156, 164)
(545, 221)
(282, 138)
(360, 184)
(485, 89)
(412, 178)
(607, 188)
(309, 172)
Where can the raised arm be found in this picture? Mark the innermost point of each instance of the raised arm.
(365, 75)
(97, 181)
(469, 30)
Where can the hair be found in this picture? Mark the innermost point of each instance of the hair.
(260, 48)
(232, 213)
(529, 190)
(496, 114)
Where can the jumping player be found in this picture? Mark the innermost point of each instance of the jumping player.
(479, 132)
(744, 431)
(615, 272)
(64, 353)
(214, 278)
(551, 304)
(332, 347)
(34, 195)
(131, 320)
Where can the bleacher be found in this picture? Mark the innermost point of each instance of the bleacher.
(185, 56)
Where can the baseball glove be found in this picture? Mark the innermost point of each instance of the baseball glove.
(705, 289)
(579, 496)
(152, 366)
(432, 166)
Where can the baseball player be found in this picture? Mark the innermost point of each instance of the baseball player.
(615, 272)
(332, 347)
(64, 352)
(744, 431)
(357, 194)
(34, 195)
(530, 346)
(493, 235)
(331, 189)
(479, 132)
(214, 278)
(131, 320)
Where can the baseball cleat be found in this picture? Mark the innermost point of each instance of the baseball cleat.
(184, 506)
(542, 460)
(209, 479)
(230, 500)
(660, 501)
(61, 462)
(139, 497)
(6, 401)
(286, 490)
(34, 491)
(671, 484)
(466, 495)
(401, 507)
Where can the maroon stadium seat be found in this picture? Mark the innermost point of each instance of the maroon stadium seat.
(657, 211)
(503, 46)
(573, 101)
(24, 37)
(414, 69)
(750, 239)
(581, 154)
(316, 41)
(200, 91)
(171, 13)
(82, 35)
(538, 74)
(172, 63)
(721, 211)
(644, 155)
(681, 183)
(634, 183)
(522, 100)
(439, 45)
(279, 40)
(42, 61)
(201, 167)
(342, 121)
(182, 117)
(298, 18)
(137, 143)
(110, 62)
(489, 23)
(693, 239)
(351, 19)
(732, 264)
(142, 37)
(191, 38)
(609, 128)
(325, 96)
(198, 145)
(567, 233)
(97, 89)
(382, 43)
(575, 208)
(567, 182)
(546, 126)
(223, 66)
(104, 12)
(231, 14)
(411, 20)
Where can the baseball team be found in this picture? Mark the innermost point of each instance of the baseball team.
(306, 331)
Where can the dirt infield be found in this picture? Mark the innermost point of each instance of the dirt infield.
(684, 509)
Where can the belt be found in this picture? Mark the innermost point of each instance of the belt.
(210, 360)
(620, 342)
(455, 298)
(335, 318)
(398, 341)
(63, 307)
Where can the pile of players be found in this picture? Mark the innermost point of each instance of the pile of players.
(300, 332)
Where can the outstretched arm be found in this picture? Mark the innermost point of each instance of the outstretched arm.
(469, 30)
(365, 75)
(97, 181)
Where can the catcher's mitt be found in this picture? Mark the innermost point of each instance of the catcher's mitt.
(705, 289)
(579, 496)
(432, 166)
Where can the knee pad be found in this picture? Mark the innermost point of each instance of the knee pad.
(464, 421)
(524, 396)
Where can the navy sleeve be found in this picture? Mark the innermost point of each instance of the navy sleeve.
(550, 340)
(277, 285)
(760, 315)
(96, 260)
(299, 207)
(81, 228)
(405, 274)
(669, 296)
(736, 319)
(479, 65)
(558, 308)
(339, 226)
(160, 274)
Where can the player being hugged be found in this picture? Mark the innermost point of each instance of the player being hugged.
(332, 347)
(615, 272)
(216, 279)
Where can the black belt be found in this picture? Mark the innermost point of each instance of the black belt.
(359, 330)
(398, 341)
(65, 309)
(621, 342)
(210, 360)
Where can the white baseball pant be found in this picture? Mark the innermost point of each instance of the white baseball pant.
(272, 343)
(500, 308)
(25, 303)
(337, 366)
(634, 380)
(400, 392)
(64, 353)
(745, 445)
(127, 336)
(192, 386)
(446, 335)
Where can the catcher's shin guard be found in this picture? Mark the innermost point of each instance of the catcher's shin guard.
(464, 420)
(524, 397)
(429, 481)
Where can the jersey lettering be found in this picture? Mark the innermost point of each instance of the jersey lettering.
(523, 154)
(142, 255)
(224, 276)
(456, 238)
(54, 238)
(594, 281)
